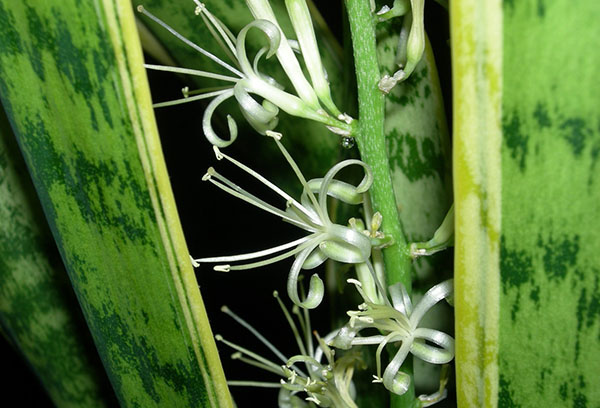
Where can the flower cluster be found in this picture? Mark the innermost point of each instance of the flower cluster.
(398, 322)
(247, 80)
(326, 384)
(387, 312)
(325, 239)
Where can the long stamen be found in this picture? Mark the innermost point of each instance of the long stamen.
(300, 176)
(201, 50)
(313, 238)
(271, 366)
(253, 255)
(292, 324)
(188, 71)
(259, 336)
(189, 99)
(211, 23)
(259, 384)
(233, 189)
(262, 179)
(254, 363)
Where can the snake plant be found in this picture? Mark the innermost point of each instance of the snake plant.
(446, 189)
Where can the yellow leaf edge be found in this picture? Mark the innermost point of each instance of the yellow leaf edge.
(124, 36)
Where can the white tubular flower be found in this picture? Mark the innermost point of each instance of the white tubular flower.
(245, 80)
(442, 238)
(412, 40)
(326, 384)
(303, 26)
(398, 322)
(261, 9)
(325, 239)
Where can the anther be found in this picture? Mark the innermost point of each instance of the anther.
(209, 173)
(274, 135)
(199, 7)
(222, 268)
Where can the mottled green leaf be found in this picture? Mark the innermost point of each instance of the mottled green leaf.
(74, 88)
(549, 346)
(527, 198)
(418, 143)
(39, 313)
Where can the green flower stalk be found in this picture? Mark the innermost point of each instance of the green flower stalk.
(326, 240)
(247, 80)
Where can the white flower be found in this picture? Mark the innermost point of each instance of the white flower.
(325, 239)
(412, 39)
(398, 321)
(248, 80)
(326, 384)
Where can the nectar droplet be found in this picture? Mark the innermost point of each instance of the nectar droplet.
(347, 142)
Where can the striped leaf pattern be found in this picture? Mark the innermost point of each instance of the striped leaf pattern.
(74, 88)
(527, 135)
(39, 313)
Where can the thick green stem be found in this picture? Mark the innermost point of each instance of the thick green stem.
(372, 146)
(371, 139)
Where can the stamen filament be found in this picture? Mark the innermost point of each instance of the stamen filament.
(292, 325)
(301, 178)
(263, 180)
(260, 384)
(259, 359)
(207, 17)
(242, 194)
(201, 50)
(313, 238)
(189, 99)
(252, 255)
(188, 71)
(259, 336)
(254, 363)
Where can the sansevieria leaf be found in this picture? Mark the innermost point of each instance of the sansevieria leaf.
(73, 85)
(39, 313)
(527, 138)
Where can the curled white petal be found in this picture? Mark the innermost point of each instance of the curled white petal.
(207, 126)
(434, 355)
(393, 379)
(316, 287)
